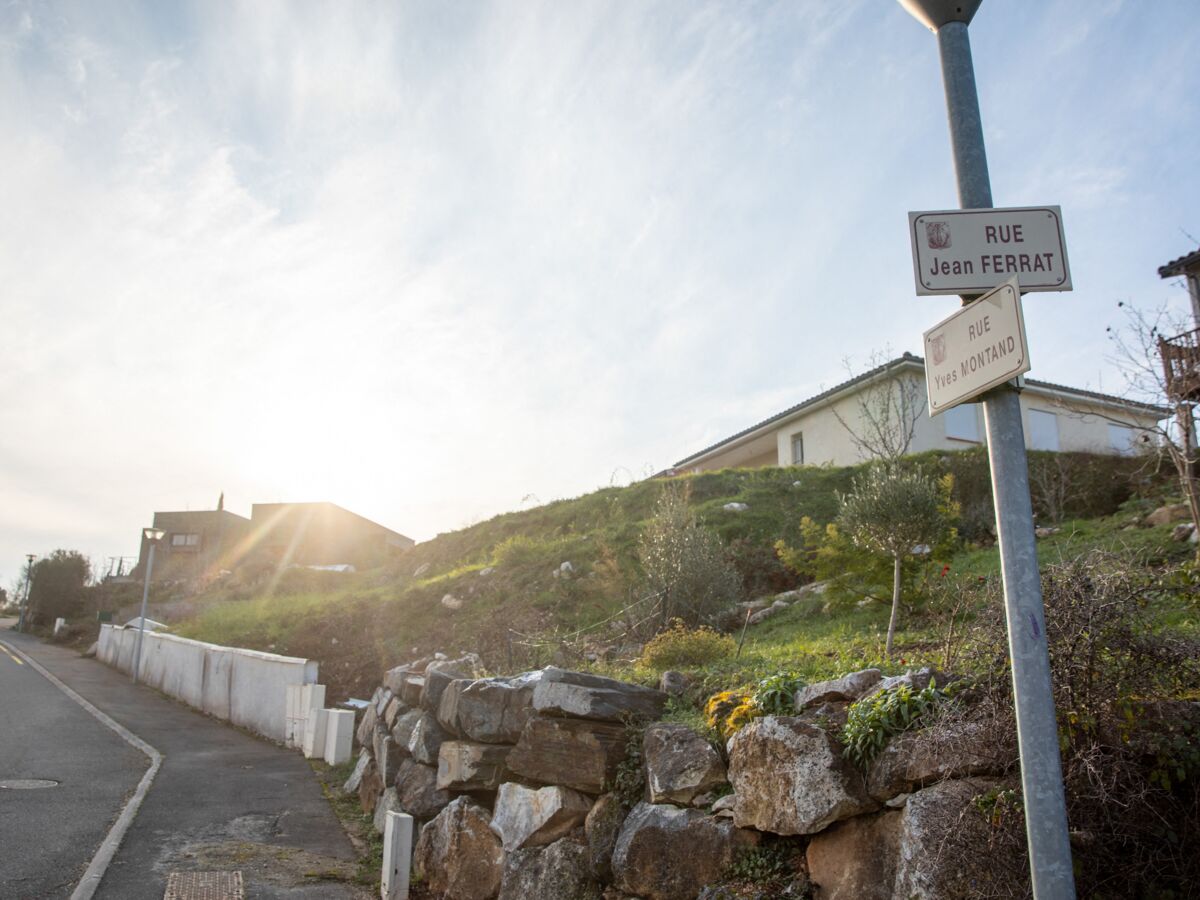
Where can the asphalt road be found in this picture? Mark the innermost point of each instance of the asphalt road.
(223, 800)
(48, 835)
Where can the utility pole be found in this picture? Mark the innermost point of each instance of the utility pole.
(1037, 728)
(29, 558)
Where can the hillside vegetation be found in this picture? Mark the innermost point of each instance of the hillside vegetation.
(502, 588)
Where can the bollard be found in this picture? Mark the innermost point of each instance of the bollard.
(339, 735)
(397, 856)
(315, 728)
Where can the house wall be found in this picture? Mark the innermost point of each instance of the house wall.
(220, 533)
(1082, 425)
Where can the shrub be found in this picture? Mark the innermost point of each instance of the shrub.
(680, 647)
(760, 568)
(775, 695)
(1128, 738)
(57, 586)
(875, 720)
(518, 550)
(685, 565)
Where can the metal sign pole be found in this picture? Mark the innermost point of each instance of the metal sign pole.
(1037, 729)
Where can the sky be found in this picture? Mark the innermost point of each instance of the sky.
(437, 261)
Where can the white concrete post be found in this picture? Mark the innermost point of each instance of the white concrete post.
(293, 730)
(397, 856)
(339, 735)
(315, 729)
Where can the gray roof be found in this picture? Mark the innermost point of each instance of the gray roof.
(911, 359)
(1180, 266)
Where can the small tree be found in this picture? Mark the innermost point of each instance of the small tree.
(894, 512)
(1138, 352)
(888, 407)
(58, 585)
(685, 564)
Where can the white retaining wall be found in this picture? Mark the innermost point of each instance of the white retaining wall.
(245, 687)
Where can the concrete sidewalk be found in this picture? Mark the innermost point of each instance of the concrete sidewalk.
(223, 800)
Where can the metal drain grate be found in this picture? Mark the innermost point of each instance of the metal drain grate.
(204, 886)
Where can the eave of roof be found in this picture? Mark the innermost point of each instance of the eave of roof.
(1180, 266)
(909, 360)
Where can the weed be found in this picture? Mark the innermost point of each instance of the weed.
(875, 720)
(775, 695)
(681, 647)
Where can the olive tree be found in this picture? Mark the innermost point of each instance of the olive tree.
(685, 564)
(893, 512)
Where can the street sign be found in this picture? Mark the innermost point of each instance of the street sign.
(980, 346)
(968, 251)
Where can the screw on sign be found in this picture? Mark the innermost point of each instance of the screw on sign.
(957, 251)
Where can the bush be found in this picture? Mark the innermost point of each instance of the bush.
(760, 568)
(680, 647)
(875, 720)
(685, 565)
(1128, 736)
(58, 586)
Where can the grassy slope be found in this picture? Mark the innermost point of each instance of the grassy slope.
(357, 625)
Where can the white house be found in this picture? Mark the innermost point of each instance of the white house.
(822, 429)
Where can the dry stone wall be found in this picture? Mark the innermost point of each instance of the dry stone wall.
(510, 781)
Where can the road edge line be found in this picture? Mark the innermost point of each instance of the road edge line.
(108, 847)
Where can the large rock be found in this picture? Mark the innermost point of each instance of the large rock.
(356, 776)
(601, 828)
(789, 777)
(579, 695)
(403, 729)
(571, 752)
(668, 853)
(457, 854)
(366, 725)
(426, 739)
(440, 673)
(387, 756)
(395, 708)
(944, 851)
(680, 764)
(848, 687)
(919, 758)
(417, 790)
(525, 817)
(411, 688)
(490, 710)
(559, 872)
(389, 801)
(467, 766)
(1165, 515)
(856, 859)
(370, 786)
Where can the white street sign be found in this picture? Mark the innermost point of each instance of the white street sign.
(980, 346)
(968, 251)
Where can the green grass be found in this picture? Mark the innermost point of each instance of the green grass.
(358, 625)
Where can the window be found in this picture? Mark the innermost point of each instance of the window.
(798, 448)
(962, 423)
(1122, 439)
(185, 540)
(1043, 430)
